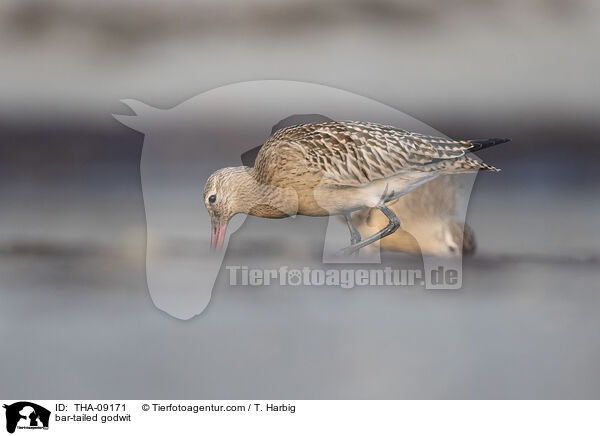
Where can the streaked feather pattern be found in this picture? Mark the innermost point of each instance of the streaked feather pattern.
(349, 153)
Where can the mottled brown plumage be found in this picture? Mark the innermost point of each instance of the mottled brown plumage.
(332, 168)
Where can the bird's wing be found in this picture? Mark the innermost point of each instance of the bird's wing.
(356, 153)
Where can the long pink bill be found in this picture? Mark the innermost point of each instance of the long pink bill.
(217, 236)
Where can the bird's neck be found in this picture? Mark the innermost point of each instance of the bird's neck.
(264, 200)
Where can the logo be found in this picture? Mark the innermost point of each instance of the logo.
(26, 415)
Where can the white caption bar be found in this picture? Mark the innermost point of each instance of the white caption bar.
(303, 417)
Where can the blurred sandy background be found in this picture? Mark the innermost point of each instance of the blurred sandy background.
(75, 315)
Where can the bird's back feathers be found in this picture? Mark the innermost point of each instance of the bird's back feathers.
(348, 153)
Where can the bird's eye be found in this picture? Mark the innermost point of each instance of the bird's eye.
(452, 249)
(212, 198)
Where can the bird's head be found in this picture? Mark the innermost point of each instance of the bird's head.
(222, 200)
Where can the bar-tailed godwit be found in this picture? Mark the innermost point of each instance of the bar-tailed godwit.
(335, 168)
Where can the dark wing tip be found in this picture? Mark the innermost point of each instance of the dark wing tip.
(479, 144)
(249, 157)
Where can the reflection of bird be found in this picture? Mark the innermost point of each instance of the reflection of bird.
(334, 168)
(429, 221)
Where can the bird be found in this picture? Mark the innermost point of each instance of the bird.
(429, 214)
(430, 222)
(336, 168)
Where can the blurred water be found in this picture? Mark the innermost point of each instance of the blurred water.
(77, 319)
(530, 60)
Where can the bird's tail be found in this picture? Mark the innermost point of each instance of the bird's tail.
(480, 144)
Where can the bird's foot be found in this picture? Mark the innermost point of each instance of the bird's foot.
(351, 250)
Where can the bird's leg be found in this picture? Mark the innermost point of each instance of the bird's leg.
(354, 233)
(391, 227)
